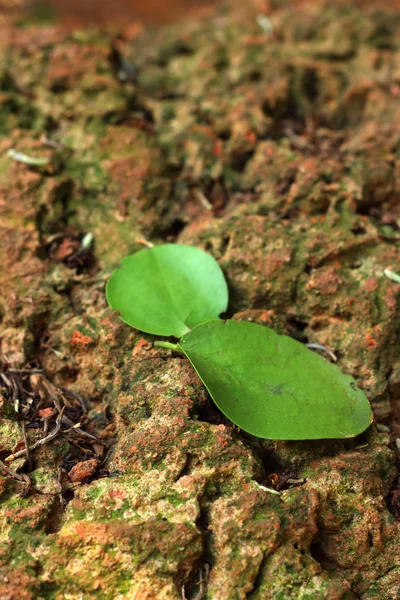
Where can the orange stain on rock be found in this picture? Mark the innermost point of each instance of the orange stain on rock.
(371, 284)
(390, 301)
(141, 345)
(79, 339)
(217, 148)
(251, 137)
(370, 341)
(326, 281)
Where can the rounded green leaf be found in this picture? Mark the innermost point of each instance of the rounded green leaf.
(168, 290)
(274, 387)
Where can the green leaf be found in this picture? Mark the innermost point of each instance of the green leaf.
(272, 386)
(168, 290)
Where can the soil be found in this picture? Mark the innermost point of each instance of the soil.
(273, 144)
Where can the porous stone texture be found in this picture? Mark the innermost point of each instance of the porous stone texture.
(275, 149)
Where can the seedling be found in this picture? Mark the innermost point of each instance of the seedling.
(392, 275)
(269, 385)
(26, 159)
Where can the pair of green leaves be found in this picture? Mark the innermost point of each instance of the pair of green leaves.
(269, 385)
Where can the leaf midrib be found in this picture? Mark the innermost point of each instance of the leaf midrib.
(170, 296)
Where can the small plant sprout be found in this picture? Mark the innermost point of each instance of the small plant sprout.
(267, 384)
(392, 275)
(27, 160)
(87, 241)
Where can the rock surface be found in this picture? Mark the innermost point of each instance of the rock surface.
(275, 148)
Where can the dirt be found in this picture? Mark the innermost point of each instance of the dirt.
(273, 145)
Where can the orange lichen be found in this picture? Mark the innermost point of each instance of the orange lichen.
(79, 339)
(370, 341)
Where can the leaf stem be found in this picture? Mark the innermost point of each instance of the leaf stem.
(169, 346)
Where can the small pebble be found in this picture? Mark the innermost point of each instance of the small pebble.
(82, 471)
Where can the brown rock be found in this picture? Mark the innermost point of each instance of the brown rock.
(83, 471)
